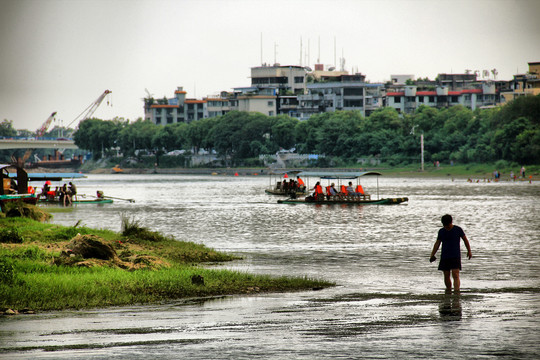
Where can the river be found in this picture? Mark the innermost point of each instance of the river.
(389, 301)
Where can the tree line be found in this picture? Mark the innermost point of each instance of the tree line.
(510, 132)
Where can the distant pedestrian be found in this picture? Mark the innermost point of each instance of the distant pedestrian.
(450, 264)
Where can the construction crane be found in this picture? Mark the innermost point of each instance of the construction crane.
(89, 111)
(43, 129)
(19, 161)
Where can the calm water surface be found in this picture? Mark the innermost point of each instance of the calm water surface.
(389, 301)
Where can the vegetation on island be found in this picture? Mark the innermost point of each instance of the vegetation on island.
(51, 267)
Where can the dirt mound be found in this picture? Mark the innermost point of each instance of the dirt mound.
(91, 247)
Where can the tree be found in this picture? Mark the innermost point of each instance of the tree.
(6, 128)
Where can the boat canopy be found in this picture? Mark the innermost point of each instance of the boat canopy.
(283, 172)
(52, 176)
(340, 175)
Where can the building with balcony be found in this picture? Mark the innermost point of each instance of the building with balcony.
(175, 110)
(288, 78)
(524, 84)
(410, 98)
(343, 95)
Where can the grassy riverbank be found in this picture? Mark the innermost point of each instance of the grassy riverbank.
(39, 271)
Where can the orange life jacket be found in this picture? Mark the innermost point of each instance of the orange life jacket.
(30, 189)
(359, 189)
(344, 190)
(300, 182)
(318, 189)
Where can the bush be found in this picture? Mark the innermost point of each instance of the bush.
(10, 236)
(131, 227)
(6, 272)
(22, 209)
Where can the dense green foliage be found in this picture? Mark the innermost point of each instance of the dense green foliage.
(458, 134)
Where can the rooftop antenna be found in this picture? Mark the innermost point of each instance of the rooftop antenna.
(275, 53)
(301, 51)
(261, 50)
(335, 62)
(308, 53)
(319, 53)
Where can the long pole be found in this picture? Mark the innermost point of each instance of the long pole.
(422, 150)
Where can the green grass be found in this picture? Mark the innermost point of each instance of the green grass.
(155, 268)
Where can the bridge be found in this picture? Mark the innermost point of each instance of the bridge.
(50, 143)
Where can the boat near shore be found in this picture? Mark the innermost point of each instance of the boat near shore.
(342, 196)
(15, 187)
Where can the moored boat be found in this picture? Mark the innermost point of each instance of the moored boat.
(14, 186)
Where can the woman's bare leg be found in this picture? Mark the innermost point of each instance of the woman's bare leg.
(455, 275)
(447, 280)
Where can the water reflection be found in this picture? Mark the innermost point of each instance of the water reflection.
(388, 302)
(450, 307)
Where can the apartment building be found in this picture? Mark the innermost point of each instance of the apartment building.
(410, 97)
(285, 90)
(175, 110)
(340, 95)
(286, 78)
(524, 84)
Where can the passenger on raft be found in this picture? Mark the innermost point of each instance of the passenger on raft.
(317, 190)
(350, 190)
(301, 184)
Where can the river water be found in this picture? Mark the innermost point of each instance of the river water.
(389, 301)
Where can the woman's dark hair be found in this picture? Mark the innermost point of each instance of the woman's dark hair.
(446, 220)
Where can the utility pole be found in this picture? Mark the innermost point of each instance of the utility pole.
(422, 150)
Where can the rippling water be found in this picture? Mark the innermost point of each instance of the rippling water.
(389, 301)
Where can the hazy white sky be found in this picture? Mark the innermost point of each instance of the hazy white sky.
(60, 55)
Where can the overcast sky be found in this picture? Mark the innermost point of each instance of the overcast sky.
(60, 55)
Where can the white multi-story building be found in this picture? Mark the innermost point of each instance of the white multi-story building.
(175, 110)
(345, 95)
(290, 78)
(409, 98)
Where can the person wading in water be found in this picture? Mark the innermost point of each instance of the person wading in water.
(449, 235)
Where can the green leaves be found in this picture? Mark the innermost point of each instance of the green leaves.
(511, 132)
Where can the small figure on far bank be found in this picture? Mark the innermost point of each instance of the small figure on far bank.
(450, 264)
(522, 172)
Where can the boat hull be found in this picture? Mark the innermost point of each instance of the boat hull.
(82, 201)
(26, 198)
(385, 201)
(281, 192)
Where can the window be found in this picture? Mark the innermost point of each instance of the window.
(353, 91)
(270, 113)
(432, 99)
(454, 99)
(397, 99)
(298, 79)
(353, 103)
(270, 103)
